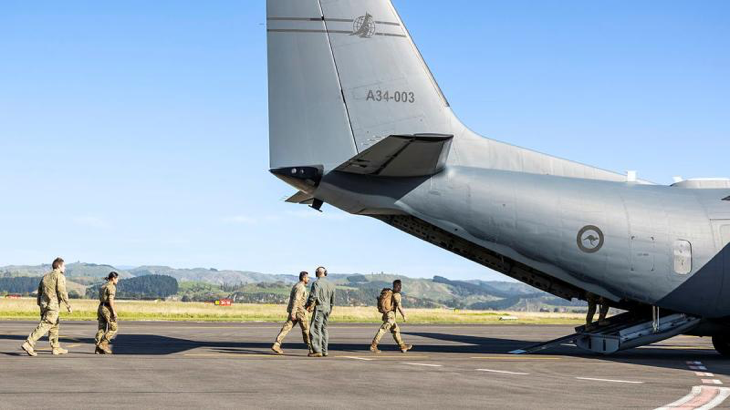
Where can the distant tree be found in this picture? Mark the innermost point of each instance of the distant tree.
(23, 285)
(141, 287)
(74, 295)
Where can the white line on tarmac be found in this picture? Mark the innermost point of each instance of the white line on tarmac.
(698, 368)
(423, 364)
(609, 380)
(501, 371)
(704, 374)
(697, 363)
(357, 358)
(711, 381)
(700, 398)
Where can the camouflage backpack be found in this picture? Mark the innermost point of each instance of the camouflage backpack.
(385, 301)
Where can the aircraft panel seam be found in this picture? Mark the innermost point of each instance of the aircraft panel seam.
(337, 71)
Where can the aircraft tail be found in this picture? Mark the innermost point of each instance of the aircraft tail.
(344, 75)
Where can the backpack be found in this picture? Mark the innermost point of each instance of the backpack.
(385, 301)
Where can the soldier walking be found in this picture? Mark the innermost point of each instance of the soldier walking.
(322, 300)
(106, 315)
(51, 293)
(297, 314)
(389, 302)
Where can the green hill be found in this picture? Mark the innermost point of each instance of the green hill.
(200, 284)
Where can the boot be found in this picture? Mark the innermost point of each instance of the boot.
(104, 347)
(374, 348)
(98, 350)
(404, 348)
(315, 355)
(57, 351)
(277, 348)
(28, 349)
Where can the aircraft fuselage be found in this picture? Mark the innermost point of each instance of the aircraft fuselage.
(622, 240)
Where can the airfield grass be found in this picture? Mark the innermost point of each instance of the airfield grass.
(85, 309)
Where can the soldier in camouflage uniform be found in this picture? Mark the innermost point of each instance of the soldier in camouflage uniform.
(593, 302)
(389, 323)
(51, 293)
(297, 314)
(321, 300)
(106, 315)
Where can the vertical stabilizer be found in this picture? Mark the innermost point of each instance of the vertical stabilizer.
(343, 75)
(308, 124)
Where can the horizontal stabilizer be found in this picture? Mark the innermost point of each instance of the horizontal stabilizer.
(301, 198)
(402, 156)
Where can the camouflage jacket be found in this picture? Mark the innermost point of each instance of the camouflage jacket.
(297, 298)
(52, 291)
(107, 293)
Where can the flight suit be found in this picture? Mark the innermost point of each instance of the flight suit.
(51, 293)
(322, 298)
(297, 300)
(389, 324)
(107, 324)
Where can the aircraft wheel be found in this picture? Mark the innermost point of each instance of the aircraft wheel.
(722, 344)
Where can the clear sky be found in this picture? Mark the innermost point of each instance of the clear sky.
(136, 132)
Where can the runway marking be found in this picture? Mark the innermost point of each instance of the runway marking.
(695, 362)
(704, 374)
(609, 380)
(515, 358)
(423, 364)
(698, 368)
(701, 397)
(241, 355)
(356, 358)
(501, 371)
(711, 381)
(397, 357)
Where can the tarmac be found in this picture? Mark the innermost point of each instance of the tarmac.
(230, 365)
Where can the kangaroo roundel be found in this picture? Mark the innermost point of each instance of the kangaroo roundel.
(590, 239)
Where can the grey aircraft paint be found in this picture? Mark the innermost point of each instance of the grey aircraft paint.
(358, 121)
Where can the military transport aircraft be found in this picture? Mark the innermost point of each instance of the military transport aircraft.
(357, 121)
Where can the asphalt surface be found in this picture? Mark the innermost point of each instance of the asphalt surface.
(229, 365)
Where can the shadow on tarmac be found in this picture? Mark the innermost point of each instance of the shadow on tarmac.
(665, 356)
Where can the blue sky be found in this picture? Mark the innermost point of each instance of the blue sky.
(136, 133)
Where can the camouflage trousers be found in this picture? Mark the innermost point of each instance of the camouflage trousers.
(107, 325)
(49, 324)
(389, 325)
(301, 319)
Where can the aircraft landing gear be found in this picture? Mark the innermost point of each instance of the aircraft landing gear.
(722, 344)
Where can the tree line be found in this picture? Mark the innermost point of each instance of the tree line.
(140, 287)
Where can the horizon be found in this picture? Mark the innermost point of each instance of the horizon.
(142, 137)
(127, 268)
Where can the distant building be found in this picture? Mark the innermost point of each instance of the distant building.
(224, 302)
